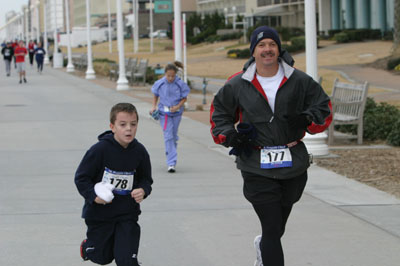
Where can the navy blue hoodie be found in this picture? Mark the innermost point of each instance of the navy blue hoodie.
(108, 153)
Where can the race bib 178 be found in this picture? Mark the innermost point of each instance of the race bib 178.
(122, 181)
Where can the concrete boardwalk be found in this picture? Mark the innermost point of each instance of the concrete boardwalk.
(195, 217)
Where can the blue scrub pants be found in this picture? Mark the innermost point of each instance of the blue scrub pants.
(170, 125)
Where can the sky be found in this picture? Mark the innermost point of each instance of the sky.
(8, 5)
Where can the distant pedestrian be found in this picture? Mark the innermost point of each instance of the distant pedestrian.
(8, 53)
(39, 55)
(170, 92)
(264, 112)
(20, 53)
(114, 177)
(31, 50)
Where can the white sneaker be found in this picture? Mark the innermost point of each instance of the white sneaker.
(171, 169)
(257, 241)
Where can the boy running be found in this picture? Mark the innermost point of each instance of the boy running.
(20, 53)
(113, 177)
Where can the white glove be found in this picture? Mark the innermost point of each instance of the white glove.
(104, 191)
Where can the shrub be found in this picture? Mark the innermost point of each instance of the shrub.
(239, 53)
(298, 43)
(103, 60)
(245, 53)
(392, 63)
(151, 77)
(224, 37)
(289, 48)
(378, 122)
(388, 36)
(332, 33)
(341, 37)
(394, 136)
(286, 33)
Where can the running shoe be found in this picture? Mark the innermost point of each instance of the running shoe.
(171, 169)
(257, 241)
(25, 80)
(83, 250)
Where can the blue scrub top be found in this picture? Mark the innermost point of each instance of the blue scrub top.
(170, 94)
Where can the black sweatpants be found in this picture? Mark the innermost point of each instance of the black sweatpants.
(273, 205)
(117, 240)
(39, 64)
(31, 54)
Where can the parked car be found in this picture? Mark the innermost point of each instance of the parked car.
(159, 34)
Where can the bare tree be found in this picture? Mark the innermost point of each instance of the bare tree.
(396, 33)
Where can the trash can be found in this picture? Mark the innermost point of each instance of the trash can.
(58, 60)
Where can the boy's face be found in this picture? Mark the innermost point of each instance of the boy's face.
(124, 128)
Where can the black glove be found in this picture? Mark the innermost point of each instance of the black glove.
(242, 140)
(300, 121)
(235, 139)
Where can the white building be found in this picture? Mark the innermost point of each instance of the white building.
(55, 16)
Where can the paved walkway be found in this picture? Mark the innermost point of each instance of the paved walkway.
(195, 217)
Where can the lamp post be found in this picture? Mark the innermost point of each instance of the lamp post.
(136, 35)
(89, 72)
(56, 56)
(151, 26)
(45, 44)
(184, 49)
(70, 66)
(55, 28)
(177, 30)
(37, 23)
(234, 17)
(226, 15)
(109, 27)
(316, 144)
(122, 83)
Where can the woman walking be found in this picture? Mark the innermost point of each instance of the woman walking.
(170, 92)
(39, 55)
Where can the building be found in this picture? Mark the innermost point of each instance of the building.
(356, 14)
(230, 8)
(14, 26)
(163, 13)
(275, 13)
(332, 14)
(55, 17)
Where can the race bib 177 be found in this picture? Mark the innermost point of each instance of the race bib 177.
(275, 157)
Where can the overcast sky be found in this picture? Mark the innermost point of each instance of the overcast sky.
(8, 5)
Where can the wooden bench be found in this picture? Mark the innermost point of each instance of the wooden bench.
(130, 65)
(130, 69)
(140, 73)
(80, 61)
(348, 104)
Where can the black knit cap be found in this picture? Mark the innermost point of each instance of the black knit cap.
(264, 32)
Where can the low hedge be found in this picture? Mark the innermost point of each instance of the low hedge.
(356, 35)
(239, 53)
(392, 63)
(224, 37)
